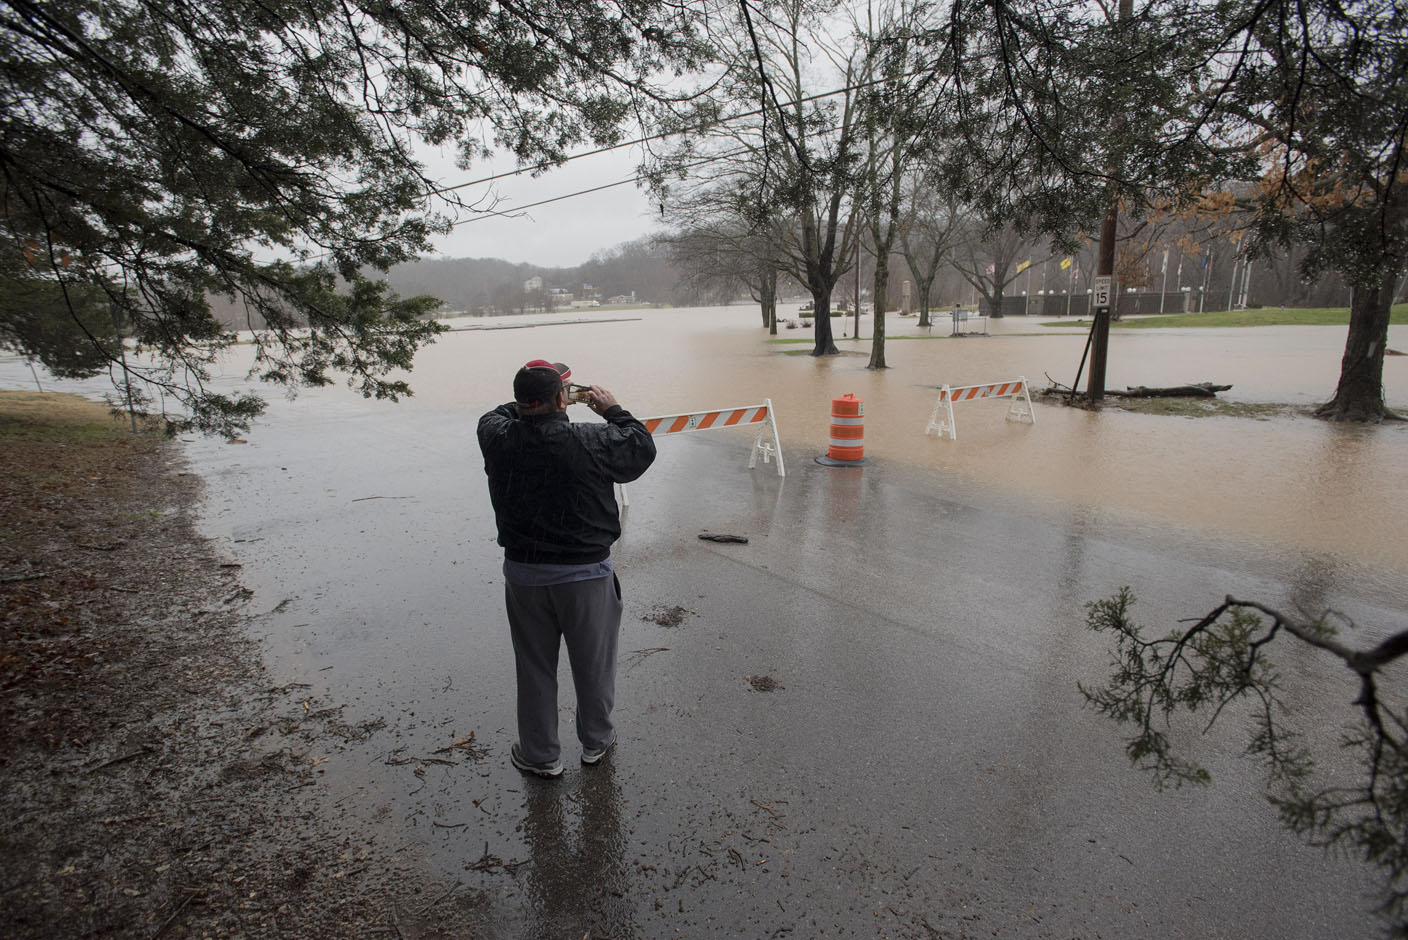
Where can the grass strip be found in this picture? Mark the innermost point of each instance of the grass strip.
(1261, 316)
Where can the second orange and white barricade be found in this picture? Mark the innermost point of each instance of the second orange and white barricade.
(941, 418)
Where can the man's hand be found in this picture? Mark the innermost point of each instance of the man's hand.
(599, 399)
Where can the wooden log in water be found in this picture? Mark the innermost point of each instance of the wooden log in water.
(1199, 390)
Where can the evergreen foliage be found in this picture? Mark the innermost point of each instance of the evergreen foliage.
(1221, 666)
(161, 152)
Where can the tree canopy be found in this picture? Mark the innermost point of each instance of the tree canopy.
(1292, 115)
(159, 153)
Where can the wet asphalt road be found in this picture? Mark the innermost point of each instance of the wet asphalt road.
(923, 768)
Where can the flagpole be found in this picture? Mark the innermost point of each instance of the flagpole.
(1207, 279)
(1163, 288)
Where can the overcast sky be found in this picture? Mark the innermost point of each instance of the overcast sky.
(560, 234)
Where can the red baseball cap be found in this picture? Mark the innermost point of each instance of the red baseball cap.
(563, 371)
(538, 381)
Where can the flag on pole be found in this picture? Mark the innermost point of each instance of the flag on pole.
(1164, 268)
(992, 269)
(1065, 263)
(1023, 265)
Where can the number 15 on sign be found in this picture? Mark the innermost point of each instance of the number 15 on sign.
(1102, 289)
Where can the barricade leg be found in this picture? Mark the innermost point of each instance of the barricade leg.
(1019, 411)
(941, 418)
(768, 449)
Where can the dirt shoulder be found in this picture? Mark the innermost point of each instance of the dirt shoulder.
(155, 783)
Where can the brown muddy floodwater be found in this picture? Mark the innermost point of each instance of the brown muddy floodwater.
(1291, 482)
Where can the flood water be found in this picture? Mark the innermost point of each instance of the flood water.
(1290, 481)
(924, 766)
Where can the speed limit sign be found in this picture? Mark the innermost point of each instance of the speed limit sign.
(1102, 289)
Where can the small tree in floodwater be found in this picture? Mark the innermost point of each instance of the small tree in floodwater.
(1221, 661)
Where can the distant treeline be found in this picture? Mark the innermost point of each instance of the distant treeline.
(650, 270)
(489, 285)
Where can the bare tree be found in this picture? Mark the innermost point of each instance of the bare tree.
(934, 228)
(812, 153)
(718, 256)
(892, 110)
(991, 260)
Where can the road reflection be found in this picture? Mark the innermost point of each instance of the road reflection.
(576, 878)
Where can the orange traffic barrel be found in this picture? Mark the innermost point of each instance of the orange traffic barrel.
(846, 447)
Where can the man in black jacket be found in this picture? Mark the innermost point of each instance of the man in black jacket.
(551, 482)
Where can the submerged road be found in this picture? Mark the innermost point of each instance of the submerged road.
(863, 722)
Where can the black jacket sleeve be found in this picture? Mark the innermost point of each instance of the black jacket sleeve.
(629, 450)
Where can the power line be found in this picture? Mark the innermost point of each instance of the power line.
(713, 158)
(490, 213)
(547, 165)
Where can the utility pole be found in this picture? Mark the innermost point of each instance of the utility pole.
(1100, 329)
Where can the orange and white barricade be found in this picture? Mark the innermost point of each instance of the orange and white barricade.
(941, 418)
(746, 416)
(767, 443)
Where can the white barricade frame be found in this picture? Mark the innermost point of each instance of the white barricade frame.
(715, 418)
(941, 418)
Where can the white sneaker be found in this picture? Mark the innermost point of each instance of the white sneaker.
(553, 769)
(591, 755)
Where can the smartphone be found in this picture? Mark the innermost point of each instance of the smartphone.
(578, 393)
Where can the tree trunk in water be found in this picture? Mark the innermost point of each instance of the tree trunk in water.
(769, 302)
(924, 300)
(825, 344)
(1360, 395)
(924, 287)
(882, 288)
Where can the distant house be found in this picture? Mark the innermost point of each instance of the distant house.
(533, 285)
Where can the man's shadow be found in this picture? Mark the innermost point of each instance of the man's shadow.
(576, 879)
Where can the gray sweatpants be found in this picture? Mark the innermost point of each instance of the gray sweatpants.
(587, 615)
